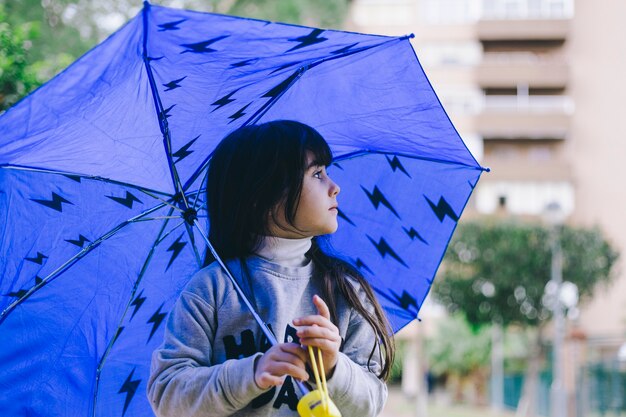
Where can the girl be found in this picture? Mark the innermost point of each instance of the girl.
(270, 199)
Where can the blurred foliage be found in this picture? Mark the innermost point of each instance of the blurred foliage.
(38, 38)
(396, 368)
(17, 76)
(458, 349)
(319, 13)
(497, 271)
(517, 344)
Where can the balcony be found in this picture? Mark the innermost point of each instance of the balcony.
(510, 69)
(522, 29)
(528, 117)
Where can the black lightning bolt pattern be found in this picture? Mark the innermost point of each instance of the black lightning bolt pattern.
(343, 216)
(171, 25)
(174, 84)
(55, 203)
(175, 248)
(345, 49)
(202, 47)
(412, 233)
(126, 201)
(285, 66)
(244, 63)
(396, 164)
(165, 113)
(278, 90)
(117, 334)
(137, 303)
(156, 320)
(38, 259)
(240, 113)
(377, 198)
(384, 249)
(224, 100)
(22, 292)
(310, 39)
(184, 151)
(17, 294)
(406, 300)
(361, 265)
(130, 387)
(80, 242)
(442, 209)
(72, 177)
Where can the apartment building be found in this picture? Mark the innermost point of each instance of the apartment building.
(537, 90)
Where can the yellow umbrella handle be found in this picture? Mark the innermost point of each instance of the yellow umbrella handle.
(317, 403)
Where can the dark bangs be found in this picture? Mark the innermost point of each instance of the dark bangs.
(252, 171)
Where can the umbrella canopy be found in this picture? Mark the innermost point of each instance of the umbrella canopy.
(103, 168)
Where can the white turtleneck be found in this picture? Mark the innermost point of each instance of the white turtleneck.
(286, 252)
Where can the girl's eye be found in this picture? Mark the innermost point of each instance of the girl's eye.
(318, 174)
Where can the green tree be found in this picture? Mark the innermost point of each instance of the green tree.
(41, 37)
(17, 77)
(498, 271)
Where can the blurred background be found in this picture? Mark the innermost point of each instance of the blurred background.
(528, 313)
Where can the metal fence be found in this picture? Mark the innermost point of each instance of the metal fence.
(600, 391)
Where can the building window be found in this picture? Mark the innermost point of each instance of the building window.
(524, 197)
(384, 12)
(527, 9)
(449, 54)
(449, 11)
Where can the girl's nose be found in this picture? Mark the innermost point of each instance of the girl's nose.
(334, 188)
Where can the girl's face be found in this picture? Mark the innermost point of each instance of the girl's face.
(317, 208)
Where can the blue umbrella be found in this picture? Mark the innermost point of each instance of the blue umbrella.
(102, 173)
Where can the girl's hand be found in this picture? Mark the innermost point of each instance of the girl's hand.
(279, 361)
(318, 331)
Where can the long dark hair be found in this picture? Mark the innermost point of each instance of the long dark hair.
(256, 168)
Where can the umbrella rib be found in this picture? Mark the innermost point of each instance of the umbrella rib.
(264, 327)
(163, 201)
(89, 177)
(105, 355)
(443, 108)
(163, 124)
(71, 261)
(193, 244)
(352, 155)
(170, 232)
(204, 179)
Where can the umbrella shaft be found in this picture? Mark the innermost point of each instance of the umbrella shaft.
(264, 328)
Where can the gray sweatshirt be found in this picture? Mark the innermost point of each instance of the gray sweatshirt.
(205, 365)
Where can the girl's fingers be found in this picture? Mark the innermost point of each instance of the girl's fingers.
(325, 344)
(317, 332)
(322, 308)
(286, 368)
(266, 380)
(281, 360)
(316, 320)
(295, 350)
